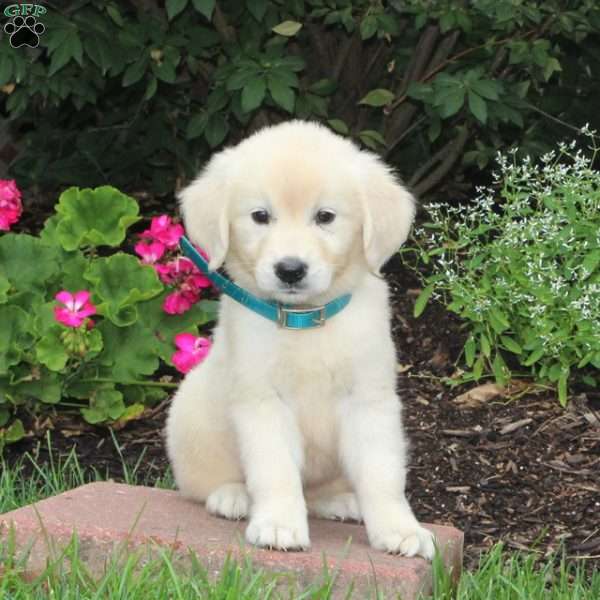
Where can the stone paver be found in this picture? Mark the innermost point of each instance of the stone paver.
(110, 516)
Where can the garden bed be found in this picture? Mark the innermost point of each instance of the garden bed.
(524, 470)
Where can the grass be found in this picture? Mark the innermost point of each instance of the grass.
(133, 576)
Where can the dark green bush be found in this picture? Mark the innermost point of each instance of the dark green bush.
(137, 94)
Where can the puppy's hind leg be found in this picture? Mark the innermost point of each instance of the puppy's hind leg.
(230, 501)
(334, 500)
(203, 453)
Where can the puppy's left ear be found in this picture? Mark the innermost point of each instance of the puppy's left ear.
(389, 210)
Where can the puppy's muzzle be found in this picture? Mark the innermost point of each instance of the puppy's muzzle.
(290, 270)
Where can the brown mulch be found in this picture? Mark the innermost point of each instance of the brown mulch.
(522, 470)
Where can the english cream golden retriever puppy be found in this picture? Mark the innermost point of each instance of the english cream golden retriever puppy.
(277, 424)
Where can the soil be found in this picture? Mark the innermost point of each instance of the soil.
(519, 469)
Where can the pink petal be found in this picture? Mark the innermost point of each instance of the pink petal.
(165, 272)
(184, 362)
(81, 298)
(186, 342)
(5, 223)
(151, 252)
(87, 310)
(176, 304)
(184, 265)
(66, 317)
(199, 281)
(65, 297)
(159, 224)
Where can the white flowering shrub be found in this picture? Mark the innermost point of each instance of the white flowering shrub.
(521, 266)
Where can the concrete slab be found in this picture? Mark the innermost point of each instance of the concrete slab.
(109, 516)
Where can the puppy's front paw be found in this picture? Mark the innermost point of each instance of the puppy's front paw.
(230, 501)
(269, 533)
(410, 541)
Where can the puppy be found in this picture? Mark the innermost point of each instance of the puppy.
(276, 424)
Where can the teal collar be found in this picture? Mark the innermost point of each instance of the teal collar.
(284, 316)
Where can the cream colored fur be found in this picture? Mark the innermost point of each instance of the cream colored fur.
(275, 423)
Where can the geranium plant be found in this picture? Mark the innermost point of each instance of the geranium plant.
(92, 330)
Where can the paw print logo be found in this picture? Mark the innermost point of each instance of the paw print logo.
(24, 32)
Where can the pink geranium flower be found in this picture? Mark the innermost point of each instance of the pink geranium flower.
(75, 309)
(183, 274)
(164, 231)
(10, 204)
(191, 350)
(150, 252)
(177, 303)
(174, 271)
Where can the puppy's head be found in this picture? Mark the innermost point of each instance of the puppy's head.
(297, 213)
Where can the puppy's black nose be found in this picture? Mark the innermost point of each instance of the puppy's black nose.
(290, 270)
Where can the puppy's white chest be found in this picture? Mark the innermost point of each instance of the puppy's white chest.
(313, 390)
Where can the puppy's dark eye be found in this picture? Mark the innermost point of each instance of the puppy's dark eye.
(324, 217)
(260, 216)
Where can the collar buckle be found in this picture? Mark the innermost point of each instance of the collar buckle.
(283, 312)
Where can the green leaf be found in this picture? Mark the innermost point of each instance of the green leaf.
(282, 95)
(135, 71)
(563, 395)
(500, 319)
(174, 7)
(339, 126)
(151, 88)
(73, 271)
(69, 47)
(46, 388)
(129, 352)
(422, 300)
(253, 94)
(50, 350)
(285, 76)
(13, 433)
(27, 262)
(323, 87)
(166, 327)
(551, 66)
(4, 287)
(371, 138)
(533, 357)
(477, 106)
(6, 70)
(499, 369)
(15, 335)
(257, 8)
(105, 403)
(196, 126)
(241, 77)
(511, 345)
(378, 97)
(287, 28)
(115, 15)
(216, 130)
(205, 7)
(368, 27)
(486, 88)
(478, 367)
(118, 283)
(98, 217)
(451, 103)
(486, 348)
(469, 351)
(590, 263)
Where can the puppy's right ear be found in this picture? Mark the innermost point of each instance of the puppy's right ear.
(204, 207)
